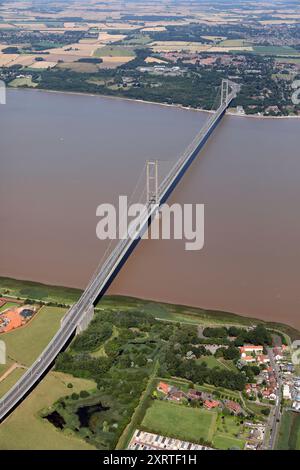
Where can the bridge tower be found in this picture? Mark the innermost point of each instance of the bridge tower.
(152, 182)
(224, 91)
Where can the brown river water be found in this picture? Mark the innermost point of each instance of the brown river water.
(62, 155)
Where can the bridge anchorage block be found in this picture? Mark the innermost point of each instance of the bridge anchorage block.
(86, 320)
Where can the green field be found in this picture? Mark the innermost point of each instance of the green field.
(234, 43)
(4, 367)
(24, 344)
(10, 380)
(289, 432)
(211, 362)
(225, 442)
(229, 433)
(23, 82)
(288, 60)
(276, 51)
(37, 291)
(114, 51)
(25, 429)
(181, 422)
(8, 305)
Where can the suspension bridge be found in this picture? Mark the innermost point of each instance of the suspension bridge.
(81, 313)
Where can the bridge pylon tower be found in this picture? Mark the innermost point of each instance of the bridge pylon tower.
(224, 91)
(152, 182)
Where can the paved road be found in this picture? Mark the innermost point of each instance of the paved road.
(102, 279)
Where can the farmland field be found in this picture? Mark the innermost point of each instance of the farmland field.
(276, 51)
(25, 429)
(190, 424)
(114, 51)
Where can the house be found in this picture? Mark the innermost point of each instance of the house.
(269, 393)
(194, 394)
(210, 404)
(176, 395)
(249, 388)
(286, 392)
(250, 348)
(164, 388)
(278, 354)
(262, 359)
(248, 358)
(233, 406)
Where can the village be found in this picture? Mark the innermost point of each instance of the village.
(274, 387)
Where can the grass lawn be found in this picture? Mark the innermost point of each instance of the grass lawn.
(24, 344)
(181, 422)
(230, 394)
(25, 429)
(8, 305)
(229, 433)
(114, 51)
(289, 432)
(10, 380)
(4, 367)
(37, 291)
(225, 442)
(257, 409)
(211, 362)
(20, 82)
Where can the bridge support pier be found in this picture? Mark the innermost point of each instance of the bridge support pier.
(86, 320)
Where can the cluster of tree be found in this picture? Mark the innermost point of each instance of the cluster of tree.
(251, 372)
(91, 339)
(83, 365)
(198, 372)
(230, 353)
(90, 60)
(258, 335)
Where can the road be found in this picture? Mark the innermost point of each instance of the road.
(110, 268)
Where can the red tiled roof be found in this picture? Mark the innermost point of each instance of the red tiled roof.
(163, 387)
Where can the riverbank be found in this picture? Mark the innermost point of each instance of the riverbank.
(173, 105)
(65, 296)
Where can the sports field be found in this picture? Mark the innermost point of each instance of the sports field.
(181, 422)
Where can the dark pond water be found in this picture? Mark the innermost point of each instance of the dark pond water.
(85, 413)
(56, 419)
